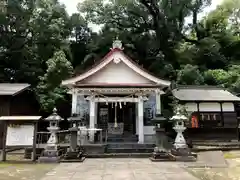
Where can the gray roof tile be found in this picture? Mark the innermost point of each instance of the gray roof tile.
(203, 94)
(11, 89)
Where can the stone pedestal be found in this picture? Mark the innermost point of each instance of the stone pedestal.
(73, 138)
(160, 152)
(83, 135)
(51, 151)
(74, 152)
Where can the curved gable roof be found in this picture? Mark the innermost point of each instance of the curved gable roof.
(116, 55)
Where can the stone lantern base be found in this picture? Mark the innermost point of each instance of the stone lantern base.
(159, 155)
(183, 154)
(74, 152)
(74, 156)
(51, 154)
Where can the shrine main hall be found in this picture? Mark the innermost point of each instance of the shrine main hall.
(118, 96)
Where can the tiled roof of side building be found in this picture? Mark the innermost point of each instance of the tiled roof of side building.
(203, 93)
(11, 89)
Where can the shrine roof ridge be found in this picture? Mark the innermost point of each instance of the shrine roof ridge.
(207, 87)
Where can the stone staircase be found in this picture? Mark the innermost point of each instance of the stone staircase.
(129, 148)
(122, 138)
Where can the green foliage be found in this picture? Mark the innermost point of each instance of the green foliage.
(229, 79)
(181, 108)
(49, 89)
(189, 75)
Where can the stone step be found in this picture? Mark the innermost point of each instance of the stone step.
(122, 140)
(72, 160)
(130, 150)
(119, 155)
(130, 145)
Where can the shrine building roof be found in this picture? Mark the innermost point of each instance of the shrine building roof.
(116, 68)
(11, 89)
(203, 93)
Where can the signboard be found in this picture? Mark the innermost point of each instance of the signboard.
(20, 135)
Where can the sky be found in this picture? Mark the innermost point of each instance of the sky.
(71, 6)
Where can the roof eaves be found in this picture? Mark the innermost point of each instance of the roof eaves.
(20, 91)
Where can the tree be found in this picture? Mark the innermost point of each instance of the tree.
(49, 90)
(189, 75)
(17, 60)
(229, 79)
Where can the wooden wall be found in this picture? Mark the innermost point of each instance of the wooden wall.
(225, 127)
(4, 111)
(23, 104)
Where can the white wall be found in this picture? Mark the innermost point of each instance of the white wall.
(210, 106)
(191, 107)
(206, 107)
(228, 107)
(116, 73)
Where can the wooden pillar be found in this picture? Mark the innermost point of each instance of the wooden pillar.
(136, 120)
(34, 152)
(3, 153)
(140, 122)
(74, 103)
(96, 113)
(92, 119)
(222, 117)
(158, 103)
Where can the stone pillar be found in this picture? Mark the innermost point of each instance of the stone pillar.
(140, 122)
(92, 120)
(158, 103)
(73, 139)
(74, 103)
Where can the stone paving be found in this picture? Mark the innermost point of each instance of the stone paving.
(119, 169)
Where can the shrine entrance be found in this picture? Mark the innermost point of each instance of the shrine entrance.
(120, 117)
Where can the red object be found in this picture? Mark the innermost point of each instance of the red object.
(194, 122)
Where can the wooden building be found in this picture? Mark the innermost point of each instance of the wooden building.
(16, 99)
(118, 96)
(213, 112)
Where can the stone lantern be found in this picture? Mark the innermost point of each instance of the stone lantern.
(51, 151)
(179, 127)
(74, 152)
(73, 131)
(180, 149)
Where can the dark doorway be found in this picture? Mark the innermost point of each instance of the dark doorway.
(125, 113)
